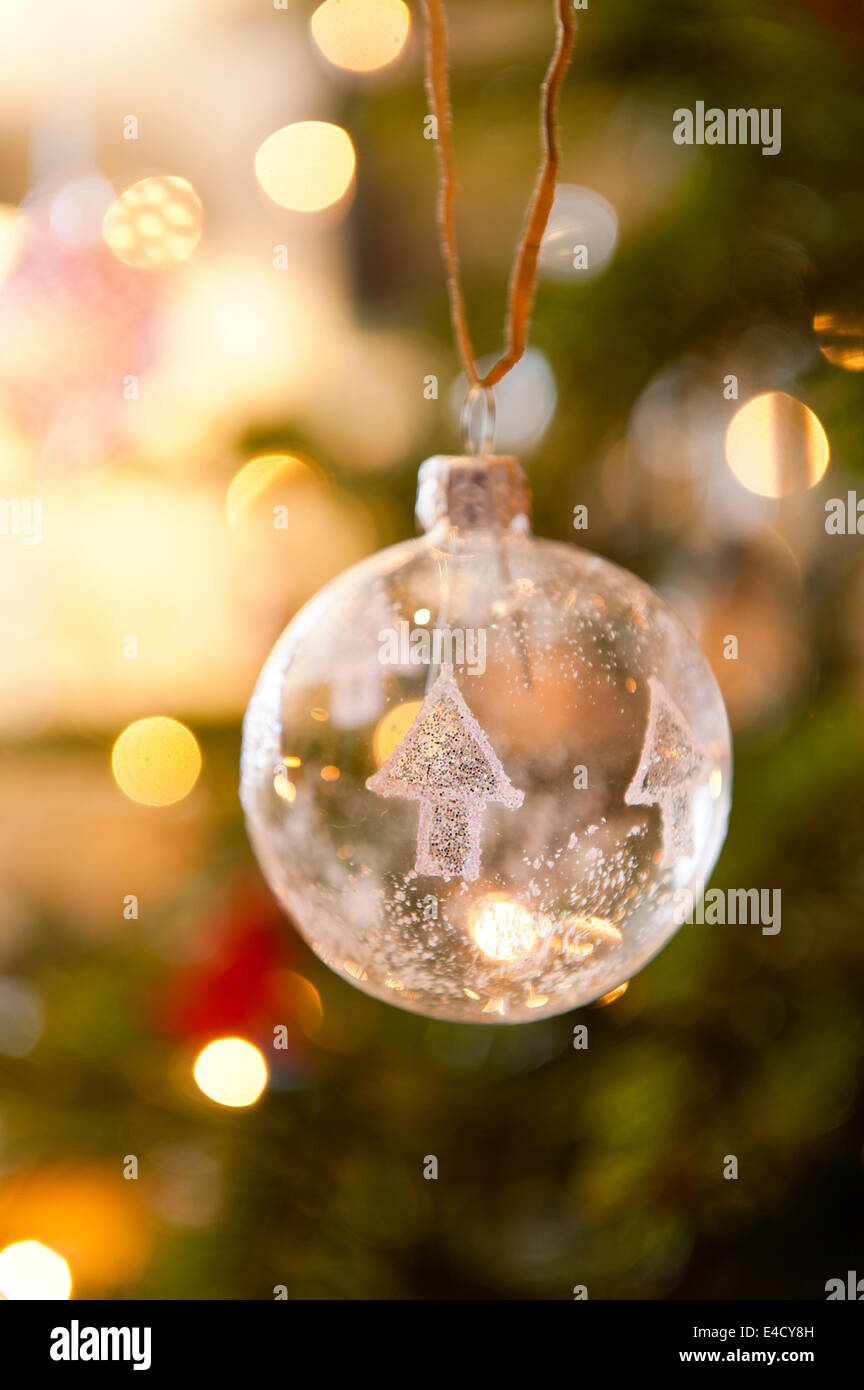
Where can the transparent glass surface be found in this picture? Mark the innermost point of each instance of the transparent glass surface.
(599, 708)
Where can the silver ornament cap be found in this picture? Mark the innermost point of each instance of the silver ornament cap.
(471, 492)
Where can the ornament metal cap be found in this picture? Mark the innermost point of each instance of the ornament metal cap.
(471, 492)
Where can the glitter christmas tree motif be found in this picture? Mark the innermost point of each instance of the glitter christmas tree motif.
(447, 764)
(670, 765)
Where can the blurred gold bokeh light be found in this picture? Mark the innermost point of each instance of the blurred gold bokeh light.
(841, 339)
(614, 994)
(775, 445)
(392, 728)
(156, 761)
(154, 224)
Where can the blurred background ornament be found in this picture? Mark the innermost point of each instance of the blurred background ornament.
(233, 983)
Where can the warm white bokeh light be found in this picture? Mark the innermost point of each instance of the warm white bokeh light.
(525, 401)
(231, 1071)
(580, 237)
(306, 166)
(775, 445)
(30, 1270)
(154, 224)
(156, 761)
(361, 35)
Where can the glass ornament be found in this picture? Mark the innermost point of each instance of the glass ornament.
(486, 774)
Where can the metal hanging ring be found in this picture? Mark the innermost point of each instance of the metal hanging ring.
(487, 420)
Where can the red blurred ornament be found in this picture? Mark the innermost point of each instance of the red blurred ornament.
(237, 988)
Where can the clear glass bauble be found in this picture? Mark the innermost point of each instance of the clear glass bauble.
(578, 685)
